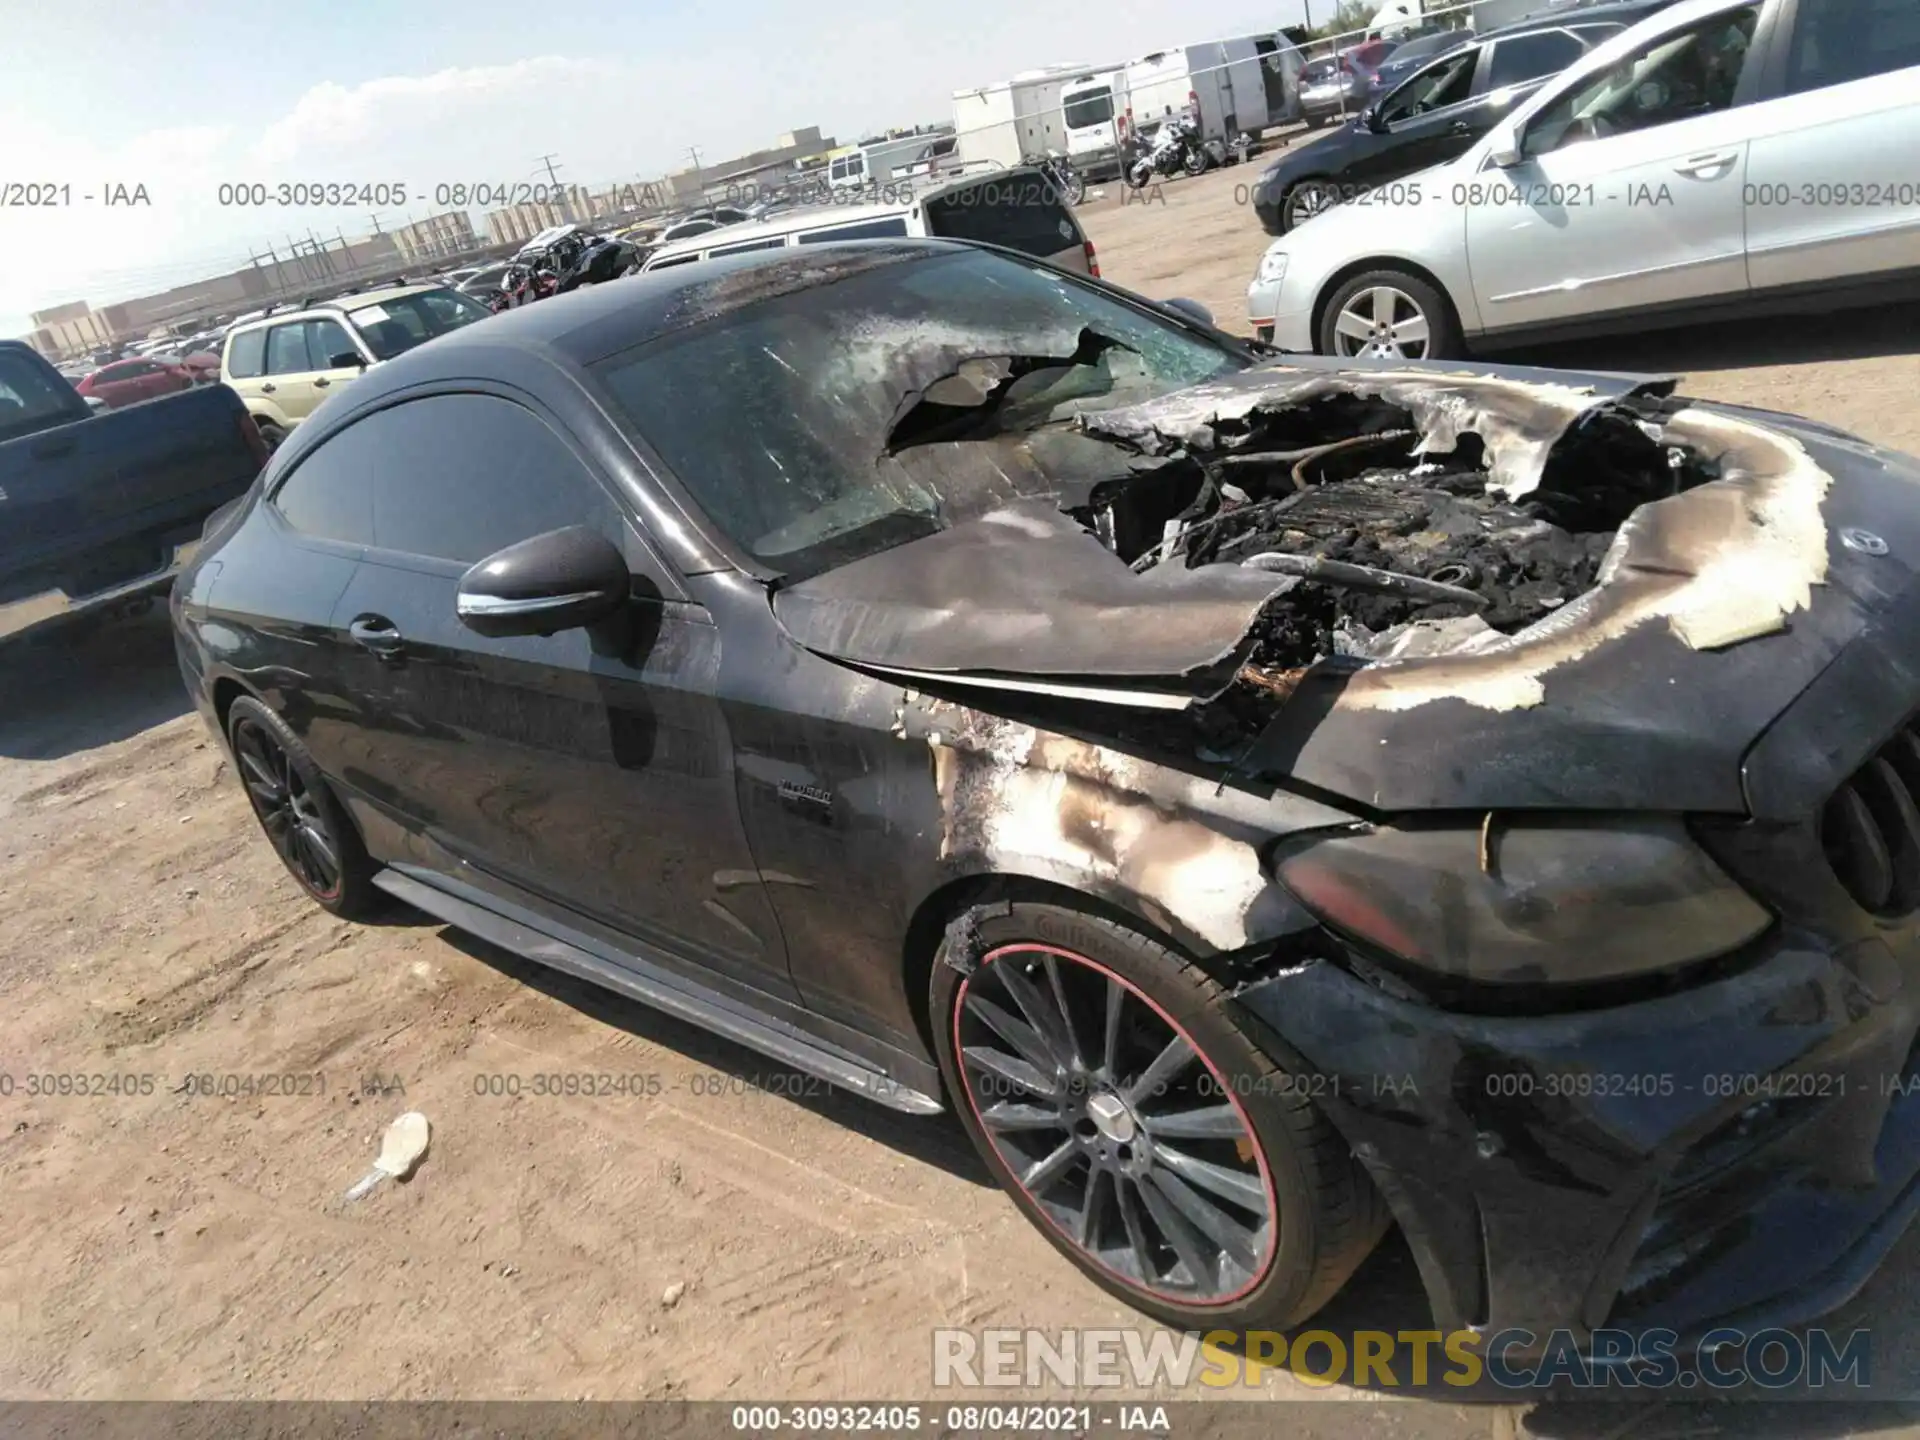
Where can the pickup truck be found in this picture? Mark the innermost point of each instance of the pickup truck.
(99, 510)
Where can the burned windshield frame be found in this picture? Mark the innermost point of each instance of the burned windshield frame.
(637, 413)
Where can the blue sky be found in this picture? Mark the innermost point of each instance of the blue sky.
(181, 96)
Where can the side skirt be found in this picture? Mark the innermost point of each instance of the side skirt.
(546, 942)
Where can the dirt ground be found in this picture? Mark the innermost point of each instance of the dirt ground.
(718, 1236)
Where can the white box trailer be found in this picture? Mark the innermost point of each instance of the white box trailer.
(1229, 86)
(1010, 121)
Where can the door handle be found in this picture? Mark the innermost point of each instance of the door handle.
(48, 449)
(322, 383)
(1701, 167)
(1460, 127)
(266, 389)
(376, 634)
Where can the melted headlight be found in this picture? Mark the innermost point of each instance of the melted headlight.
(1528, 901)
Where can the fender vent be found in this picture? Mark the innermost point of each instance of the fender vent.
(1870, 830)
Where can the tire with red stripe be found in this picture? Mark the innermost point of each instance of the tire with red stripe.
(1104, 1081)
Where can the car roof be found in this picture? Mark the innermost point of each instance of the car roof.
(339, 302)
(784, 222)
(827, 212)
(1624, 12)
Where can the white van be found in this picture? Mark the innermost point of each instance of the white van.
(873, 164)
(1017, 208)
(1091, 108)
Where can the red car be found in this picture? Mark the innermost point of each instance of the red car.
(126, 382)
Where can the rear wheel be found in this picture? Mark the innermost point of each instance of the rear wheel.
(271, 434)
(1196, 160)
(303, 821)
(1107, 1085)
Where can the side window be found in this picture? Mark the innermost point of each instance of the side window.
(460, 476)
(1835, 41)
(247, 355)
(326, 339)
(744, 245)
(1446, 82)
(866, 230)
(686, 259)
(1528, 57)
(287, 349)
(329, 494)
(1668, 79)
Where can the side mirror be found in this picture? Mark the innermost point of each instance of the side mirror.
(563, 580)
(1192, 309)
(1370, 117)
(1503, 146)
(346, 359)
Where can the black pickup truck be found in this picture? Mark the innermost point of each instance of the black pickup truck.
(99, 511)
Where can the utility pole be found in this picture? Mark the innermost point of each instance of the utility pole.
(693, 151)
(552, 174)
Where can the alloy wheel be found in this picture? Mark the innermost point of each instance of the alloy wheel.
(1308, 199)
(1383, 322)
(289, 811)
(1115, 1125)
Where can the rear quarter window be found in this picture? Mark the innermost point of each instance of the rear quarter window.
(866, 230)
(1021, 212)
(247, 354)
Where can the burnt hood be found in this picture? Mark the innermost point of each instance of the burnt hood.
(1024, 598)
(1714, 609)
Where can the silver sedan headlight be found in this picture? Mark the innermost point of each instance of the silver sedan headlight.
(1273, 268)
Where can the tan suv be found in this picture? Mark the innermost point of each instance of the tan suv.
(287, 361)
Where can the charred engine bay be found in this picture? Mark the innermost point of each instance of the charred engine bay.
(1341, 480)
(1402, 553)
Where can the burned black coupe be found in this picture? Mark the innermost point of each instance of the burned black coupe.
(1267, 801)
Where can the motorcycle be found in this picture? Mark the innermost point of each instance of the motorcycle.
(593, 260)
(1175, 146)
(1069, 182)
(522, 284)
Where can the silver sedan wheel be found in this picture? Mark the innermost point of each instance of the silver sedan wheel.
(1384, 323)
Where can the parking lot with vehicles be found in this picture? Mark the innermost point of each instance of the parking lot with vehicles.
(1302, 853)
(615, 1204)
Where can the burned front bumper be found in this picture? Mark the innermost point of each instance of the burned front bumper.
(1742, 1150)
(1747, 1149)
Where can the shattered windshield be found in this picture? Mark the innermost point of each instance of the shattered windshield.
(782, 417)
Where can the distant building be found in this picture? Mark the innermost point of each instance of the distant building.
(739, 179)
(437, 237)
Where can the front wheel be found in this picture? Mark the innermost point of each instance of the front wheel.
(1305, 200)
(1390, 315)
(1139, 174)
(1073, 186)
(1111, 1091)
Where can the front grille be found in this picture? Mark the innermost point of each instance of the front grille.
(1870, 829)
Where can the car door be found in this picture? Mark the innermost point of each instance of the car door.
(328, 343)
(1833, 191)
(1431, 117)
(1627, 190)
(596, 777)
(131, 382)
(288, 377)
